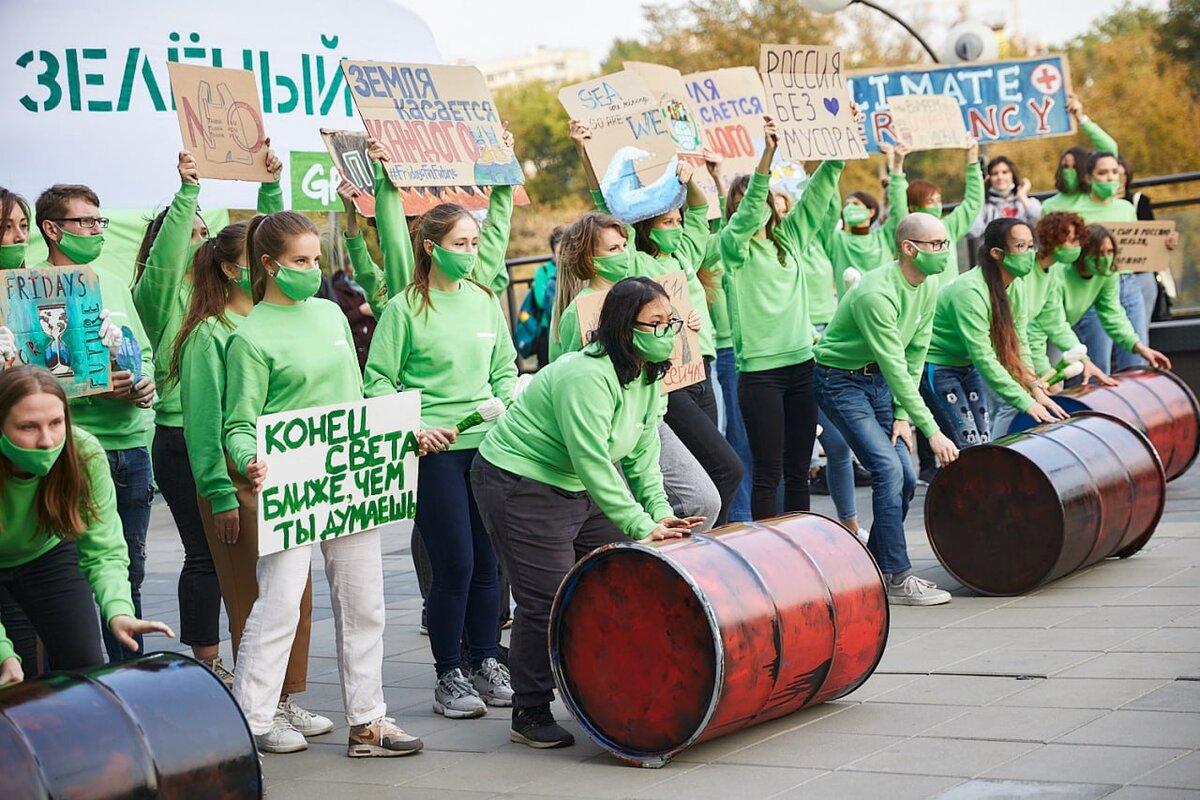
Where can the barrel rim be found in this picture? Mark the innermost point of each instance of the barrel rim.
(1189, 394)
(660, 758)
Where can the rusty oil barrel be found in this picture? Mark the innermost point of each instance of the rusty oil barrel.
(1155, 401)
(162, 726)
(1010, 516)
(655, 649)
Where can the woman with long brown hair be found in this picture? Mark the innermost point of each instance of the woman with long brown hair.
(60, 535)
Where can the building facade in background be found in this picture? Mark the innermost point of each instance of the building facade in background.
(550, 65)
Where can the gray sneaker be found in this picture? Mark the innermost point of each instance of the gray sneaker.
(217, 668)
(492, 683)
(914, 591)
(455, 698)
(304, 721)
(282, 738)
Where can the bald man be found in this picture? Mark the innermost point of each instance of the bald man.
(869, 365)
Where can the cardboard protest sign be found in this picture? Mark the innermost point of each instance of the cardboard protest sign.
(221, 121)
(731, 105)
(999, 101)
(808, 96)
(437, 122)
(337, 470)
(929, 121)
(54, 314)
(687, 364)
(631, 149)
(1142, 246)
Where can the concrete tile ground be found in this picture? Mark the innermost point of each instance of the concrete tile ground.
(1087, 688)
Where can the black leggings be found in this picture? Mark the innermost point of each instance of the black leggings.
(692, 415)
(780, 413)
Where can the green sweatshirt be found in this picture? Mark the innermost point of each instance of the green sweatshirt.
(285, 358)
(103, 554)
(957, 222)
(1094, 211)
(865, 252)
(457, 351)
(1041, 305)
(202, 376)
(718, 307)
(768, 304)
(962, 334)
(1101, 143)
(572, 423)
(569, 338)
(1076, 294)
(886, 321)
(818, 283)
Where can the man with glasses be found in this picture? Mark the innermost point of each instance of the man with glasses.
(69, 219)
(869, 364)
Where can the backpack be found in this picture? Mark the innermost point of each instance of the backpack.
(533, 318)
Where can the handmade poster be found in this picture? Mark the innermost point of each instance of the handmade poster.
(337, 470)
(687, 364)
(807, 94)
(54, 314)
(929, 122)
(1000, 101)
(437, 122)
(1142, 246)
(221, 121)
(731, 105)
(631, 149)
(129, 356)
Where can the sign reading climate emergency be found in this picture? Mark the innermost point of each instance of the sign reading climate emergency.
(337, 470)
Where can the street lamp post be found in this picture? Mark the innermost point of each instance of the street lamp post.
(830, 6)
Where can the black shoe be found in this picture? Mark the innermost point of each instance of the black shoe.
(862, 477)
(817, 482)
(536, 727)
(926, 476)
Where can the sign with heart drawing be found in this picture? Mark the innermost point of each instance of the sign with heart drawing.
(808, 96)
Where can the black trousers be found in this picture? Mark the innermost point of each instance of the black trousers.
(57, 600)
(779, 409)
(19, 631)
(424, 570)
(692, 415)
(539, 532)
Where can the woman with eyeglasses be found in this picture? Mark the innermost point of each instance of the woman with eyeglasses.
(548, 486)
(977, 341)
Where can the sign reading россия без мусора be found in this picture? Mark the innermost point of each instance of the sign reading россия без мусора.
(337, 470)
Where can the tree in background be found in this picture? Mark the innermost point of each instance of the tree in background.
(1179, 37)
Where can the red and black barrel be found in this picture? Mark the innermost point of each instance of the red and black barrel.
(655, 649)
(1012, 515)
(162, 726)
(1155, 401)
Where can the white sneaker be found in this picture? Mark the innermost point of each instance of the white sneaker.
(493, 684)
(306, 723)
(282, 738)
(862, 536)
(455, 698)
(914, 591)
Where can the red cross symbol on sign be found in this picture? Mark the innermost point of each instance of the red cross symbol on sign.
(1047, 79)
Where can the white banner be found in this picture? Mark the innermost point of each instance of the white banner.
(85, 98)
(337, 470)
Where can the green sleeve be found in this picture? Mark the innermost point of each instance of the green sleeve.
(7, 650)
(1112, 314)
(246, 379)
(103, 554)
(368, 274)
(897, 200)
(1101, 141)
(827, 226)
(270, 198)
(393, 233)
(156, 292)
(751, 215)
(878, 320)
(585, 409)
(1020, 314)
(807, 216)
(492, 271)
(695, 238)
(974, 324)
(958, 221)
(569, 338)
(602, 207)
(389, 351)
(641, 468)
(202, 376)
(504, 360)
(1050, 322)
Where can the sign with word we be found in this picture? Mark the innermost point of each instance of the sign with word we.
(337, 470)
(221, 121)
(1142, 246)
(807, 95)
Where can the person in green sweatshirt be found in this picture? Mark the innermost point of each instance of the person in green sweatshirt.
(548, 486)
(1070, 181)
(869, 364)
(68, 217)
(592, 257)
(446, 336)
(773, 337)
(292, 352)
(978, 341)
(367, 273)
(14, 239)
(60, 534)
(162, 292)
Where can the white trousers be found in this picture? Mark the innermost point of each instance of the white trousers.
(354, 569)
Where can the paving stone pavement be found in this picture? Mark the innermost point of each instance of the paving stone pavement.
(1087, 688)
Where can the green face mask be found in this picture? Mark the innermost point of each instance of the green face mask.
(1070, 177)
(1067, 255)
(454, 264)
(666, 239)
(855, 215)
(12, 256)
(931, 263)
(298, 284)
(81, 249)
(36, 461)
(1099, 265)
(244, 280)
(653, 348)
(1105, 189)
(933, 211)
(613, 267)
(1020, 264)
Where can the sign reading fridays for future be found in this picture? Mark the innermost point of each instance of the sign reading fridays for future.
(337, 470)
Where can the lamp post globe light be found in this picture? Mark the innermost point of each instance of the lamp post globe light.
(831, 6)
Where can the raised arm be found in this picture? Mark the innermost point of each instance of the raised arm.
(394, 240)
(1100, 140)
(492, 271)
(580, 134)
(958, 222)
(752, 212)
(803, 223)
(270, 193)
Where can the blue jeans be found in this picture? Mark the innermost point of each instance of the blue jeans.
(1139, 290)
(1002, 413)
(958, 399)
(860, 407)
(1091, 333)
(839, 470)
(134, 480)
(735, 432)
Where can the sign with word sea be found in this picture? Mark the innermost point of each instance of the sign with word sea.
(808, 96)
(54, 314)
(438, 123)
(999, 101)
(1142, 245)
(731, 105)
(687, 364)
(929, 122)
(337, 470)
(221, 121)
